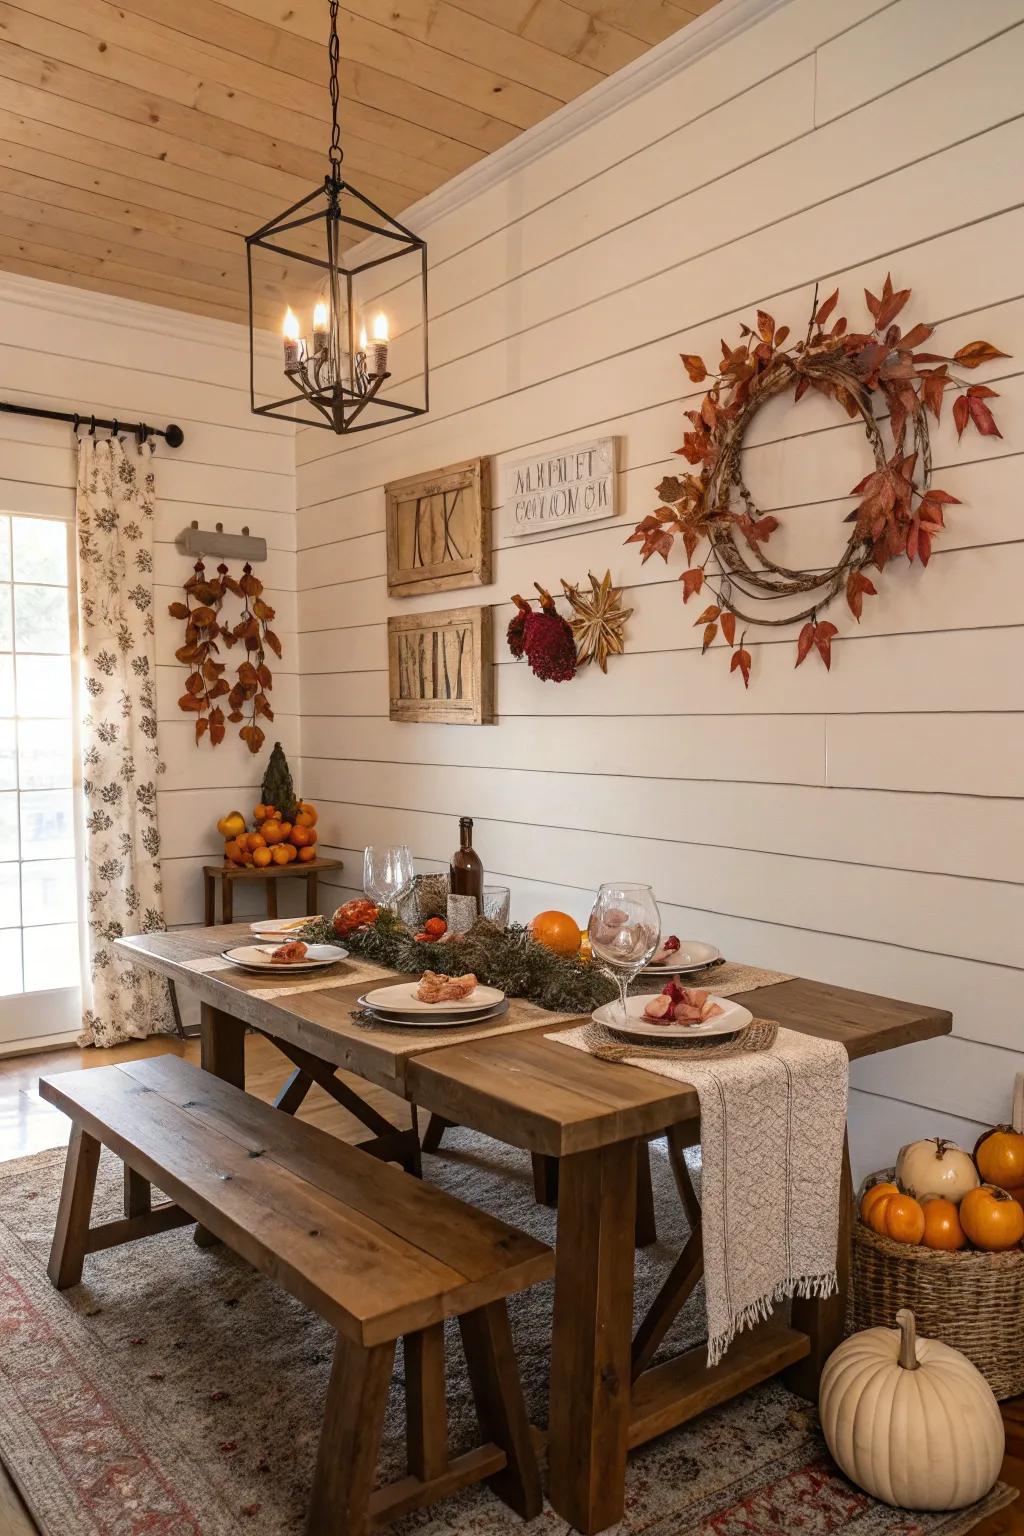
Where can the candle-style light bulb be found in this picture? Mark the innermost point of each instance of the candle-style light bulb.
(362, 338)
(380, 343)
(321, 324)
(292, 341)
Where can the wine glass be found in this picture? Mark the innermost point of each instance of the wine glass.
(624, 929)
(388, 873)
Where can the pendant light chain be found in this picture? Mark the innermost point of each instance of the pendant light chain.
(334, 53)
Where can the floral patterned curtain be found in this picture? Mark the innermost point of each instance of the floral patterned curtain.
(122, 883)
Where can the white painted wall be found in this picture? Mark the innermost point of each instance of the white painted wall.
(864, 827)
(64, 349)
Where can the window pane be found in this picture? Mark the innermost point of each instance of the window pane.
(9, 824)
(44, 687)
(6, 685)
(47, 892)
(5, 549)
(47, 825)
(8, 763)
(6, 626)
(51, 957)
(10, 961)
(44, 754)
(41, 619)
(10, 904)
(40, 550)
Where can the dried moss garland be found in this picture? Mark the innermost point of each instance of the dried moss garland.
(900, 512)
(500, 957)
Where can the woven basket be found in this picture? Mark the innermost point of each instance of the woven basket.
(971, 1301)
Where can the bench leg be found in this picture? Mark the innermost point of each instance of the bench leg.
(222, 1052)
(67, 1255)
(138, 1193)
(426, 1412)
(350, 1439)
(494, 1376)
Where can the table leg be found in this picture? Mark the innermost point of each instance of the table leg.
(824, 1321)
(312, 893)
(271, 887)
(227, 900)
(209, 900)
(593, 1323)
(222, 1052)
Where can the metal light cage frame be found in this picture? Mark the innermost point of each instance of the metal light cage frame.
(339, 405)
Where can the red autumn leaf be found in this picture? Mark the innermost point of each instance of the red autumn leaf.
(981, 392)
(728, 622)
(961, 414)
(803, 384)
(890, 307)
(200, 728)
(694, 366)
(654, 537)
(692, 581)
(690, 542)
(765, 325)
(710, 631)
(708, 616)
(781, 334)
(873, 304)
(804, 641)
(823, 641)
(825, 309)
(764, 527)
(933, 387)
(977, 352)
(857, 584)
(741, 662)
(273, 642)
(982, 417)
(914, 337)
(190, 704)
(177, 610)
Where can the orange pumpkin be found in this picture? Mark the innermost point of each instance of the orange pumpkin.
(273, 832)
(992, 1219)
(942, 1227)
(872, 1195)
(306, 814)
(306, 854)
(302, 837)
(904, 1219)
(999, 1154)
(557, 931)
(261, 857)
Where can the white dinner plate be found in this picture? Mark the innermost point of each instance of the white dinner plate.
(280, 927)
(435, 1020)
(692, 955)
(256, 957)
(733, 1017)
(401, 998)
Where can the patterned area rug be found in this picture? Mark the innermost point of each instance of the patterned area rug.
(179, 1393)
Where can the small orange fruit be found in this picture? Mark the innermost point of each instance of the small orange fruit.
(307, 814)
(942, 1227)
(286, 829)
(302, 836)
(557, 931)
(280, 854)
(259, 812)
(904, 1219)
(272, 832)
(256, 840)
(261, 857)
(232, 850)
(872, 1195)
(307, 853)
(291, 852)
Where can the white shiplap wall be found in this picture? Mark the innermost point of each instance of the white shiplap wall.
(864, 827)
(68, 350)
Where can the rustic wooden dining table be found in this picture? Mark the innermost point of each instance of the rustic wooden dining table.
(593, 1116)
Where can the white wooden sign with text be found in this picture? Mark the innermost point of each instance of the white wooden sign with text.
(560, 488)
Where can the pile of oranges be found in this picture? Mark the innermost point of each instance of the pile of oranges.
(273, 840)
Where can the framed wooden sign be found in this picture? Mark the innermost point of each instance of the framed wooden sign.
(440, 668)
(560, 488)
(439, 529)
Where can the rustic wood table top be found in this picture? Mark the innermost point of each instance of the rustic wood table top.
(592, 1116)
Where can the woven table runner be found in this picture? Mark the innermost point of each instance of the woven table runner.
(722, 978)
(772, 1127)
(345, 974)
(411, 1040)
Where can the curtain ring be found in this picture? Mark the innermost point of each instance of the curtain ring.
(78, 423)
(114, 429)
(92, 426)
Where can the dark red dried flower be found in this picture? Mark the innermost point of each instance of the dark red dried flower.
(516, 634)
(548, 642)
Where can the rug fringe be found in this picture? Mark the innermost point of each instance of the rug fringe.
(803, 1287)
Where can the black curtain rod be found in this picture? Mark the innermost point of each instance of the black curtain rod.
(173, 434)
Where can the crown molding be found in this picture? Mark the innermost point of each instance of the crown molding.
(108, 309)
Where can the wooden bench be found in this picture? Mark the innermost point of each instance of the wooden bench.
(376, 1252)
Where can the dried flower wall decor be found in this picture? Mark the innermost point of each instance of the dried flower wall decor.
(205, 631)
(556, 647)
(900, 512)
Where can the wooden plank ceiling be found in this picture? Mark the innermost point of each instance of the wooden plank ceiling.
(139, 140)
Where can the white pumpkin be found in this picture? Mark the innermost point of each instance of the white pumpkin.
(911, 1421)
(936, 1167)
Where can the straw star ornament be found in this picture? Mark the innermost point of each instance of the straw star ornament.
(598, 619)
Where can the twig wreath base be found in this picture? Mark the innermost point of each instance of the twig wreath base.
(900, 512)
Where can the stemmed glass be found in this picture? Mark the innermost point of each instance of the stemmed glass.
(388, 873)
(624, 929)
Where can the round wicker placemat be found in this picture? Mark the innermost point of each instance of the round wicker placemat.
(759, 1035)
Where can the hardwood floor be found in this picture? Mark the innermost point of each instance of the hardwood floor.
(28, 1124)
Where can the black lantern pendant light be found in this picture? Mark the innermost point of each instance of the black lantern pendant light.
(339, 378)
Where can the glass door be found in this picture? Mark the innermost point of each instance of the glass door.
(39, 942)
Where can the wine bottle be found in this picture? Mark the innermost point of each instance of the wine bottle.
(466, 872)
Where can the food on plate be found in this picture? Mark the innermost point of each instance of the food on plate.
(936, 1167)
(445, 989)
(992, 1219)
(999, 1154)
(665, 950)
(289, 953)
(352, 915)
(682, 1005)
(557, 931)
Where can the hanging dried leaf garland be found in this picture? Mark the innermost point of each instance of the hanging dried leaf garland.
(900, 512)
(598, 620)
(205, 631)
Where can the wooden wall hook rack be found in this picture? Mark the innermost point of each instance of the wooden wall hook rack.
(198, 542)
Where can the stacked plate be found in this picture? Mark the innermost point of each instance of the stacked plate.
(692, 955)
(280, 928)
(399, 1004)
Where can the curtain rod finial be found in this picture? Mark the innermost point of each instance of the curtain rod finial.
(174, 435)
